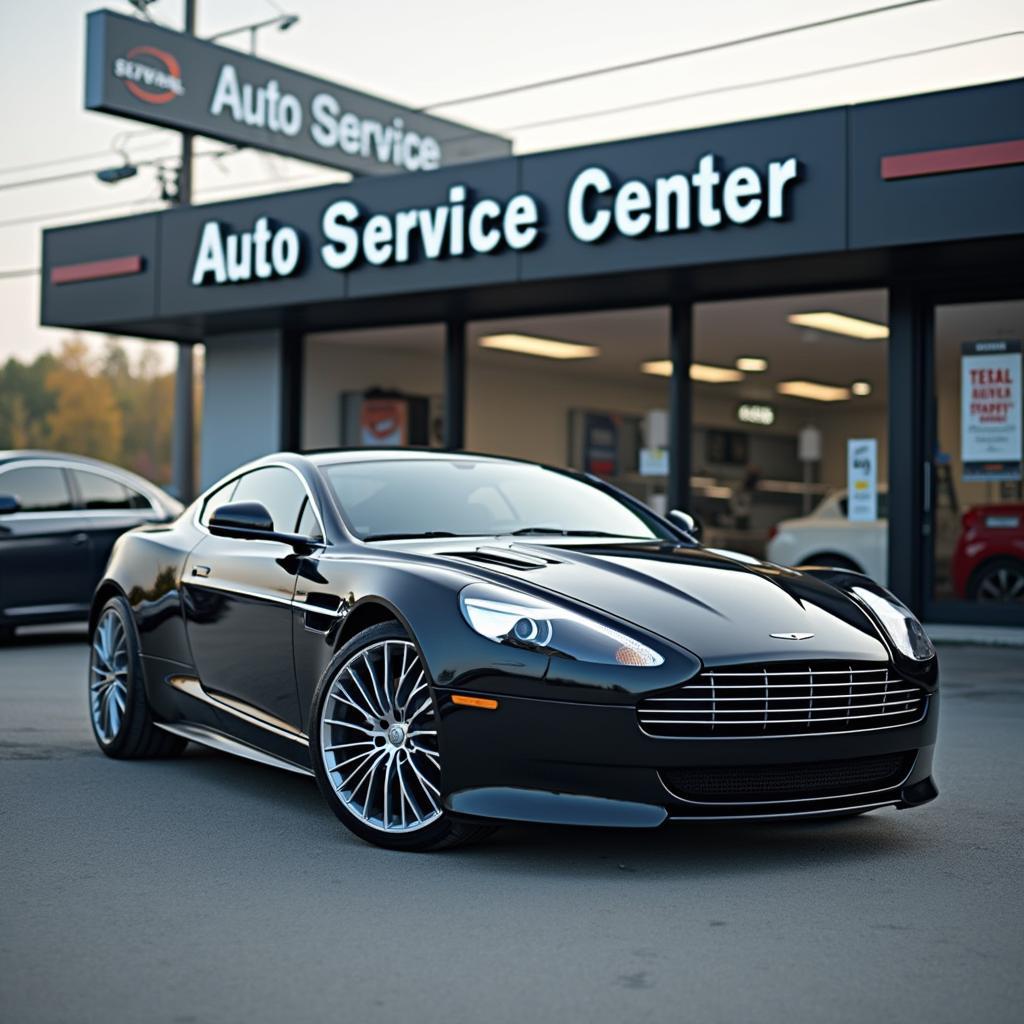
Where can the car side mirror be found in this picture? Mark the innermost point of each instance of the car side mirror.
(689, 523)
(250, 520)
(249, 517)
(9, 504)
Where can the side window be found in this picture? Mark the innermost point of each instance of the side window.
(37, 488)
(103, 492)
(279, 490)
(308, 525)
(221, 496)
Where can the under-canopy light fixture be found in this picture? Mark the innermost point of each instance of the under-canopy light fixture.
(813, 390)
(861, 388)
(752, 364)
(840, 323)
(703, 372)
(547, 348)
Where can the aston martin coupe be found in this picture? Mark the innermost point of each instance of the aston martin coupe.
(450, 641)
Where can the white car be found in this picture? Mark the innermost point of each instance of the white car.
(827, 537)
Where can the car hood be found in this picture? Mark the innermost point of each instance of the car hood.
(722, 607)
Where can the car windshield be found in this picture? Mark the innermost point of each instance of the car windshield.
(433, 497)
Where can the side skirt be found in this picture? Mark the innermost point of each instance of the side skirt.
(208, 738)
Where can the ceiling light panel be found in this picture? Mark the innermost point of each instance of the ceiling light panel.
(546, 348)
(840, 323)
(812, 390)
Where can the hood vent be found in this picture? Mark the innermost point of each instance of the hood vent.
(507, 557)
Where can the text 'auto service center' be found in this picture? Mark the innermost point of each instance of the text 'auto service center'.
(920, 196)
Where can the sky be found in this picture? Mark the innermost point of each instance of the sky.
(424, 51)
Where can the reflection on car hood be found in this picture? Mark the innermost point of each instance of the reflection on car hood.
(719, 607)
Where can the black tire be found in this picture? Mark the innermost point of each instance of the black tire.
(997, 582)
(830, 561)
(135, 736)
(446, 831)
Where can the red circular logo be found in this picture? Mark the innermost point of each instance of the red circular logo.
(155, 78)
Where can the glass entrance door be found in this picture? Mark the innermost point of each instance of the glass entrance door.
(976, 570)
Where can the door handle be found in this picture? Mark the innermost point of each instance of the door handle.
(79, 539)
(201, 570)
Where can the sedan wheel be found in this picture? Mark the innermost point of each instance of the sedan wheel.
(1001, 581)
(375, 746)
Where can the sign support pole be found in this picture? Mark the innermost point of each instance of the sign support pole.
(183, 429)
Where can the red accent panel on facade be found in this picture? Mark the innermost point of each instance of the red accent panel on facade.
(95, 270)
(948, 161)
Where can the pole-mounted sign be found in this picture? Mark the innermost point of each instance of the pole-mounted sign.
(136, 69)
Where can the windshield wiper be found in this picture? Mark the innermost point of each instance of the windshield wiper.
(410, 536)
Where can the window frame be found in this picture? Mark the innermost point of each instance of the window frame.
(204, 498)
(78, 497)
(61, 468)
(66, 467)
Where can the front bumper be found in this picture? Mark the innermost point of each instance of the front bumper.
(577, 763)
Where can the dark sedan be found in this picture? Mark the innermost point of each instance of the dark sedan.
(447, 641)
(59, 517)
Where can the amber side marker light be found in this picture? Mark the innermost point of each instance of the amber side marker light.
(474, 702)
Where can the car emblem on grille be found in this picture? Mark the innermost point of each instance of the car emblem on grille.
(791, 636)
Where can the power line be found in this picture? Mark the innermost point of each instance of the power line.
(88, 172)
(759, 82)
(647, 61)
(110, 151)
(39, 218)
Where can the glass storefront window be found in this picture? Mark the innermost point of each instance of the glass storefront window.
(790, 397)
(583, 390)
(382, 386)
(978, 499)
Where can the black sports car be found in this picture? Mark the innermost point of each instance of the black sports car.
(447, 641)
(59, 517)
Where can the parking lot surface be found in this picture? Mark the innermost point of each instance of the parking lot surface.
(208, 889)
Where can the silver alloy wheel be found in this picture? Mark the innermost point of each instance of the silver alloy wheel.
(108, 676)
(378, 738)
(1004, 583)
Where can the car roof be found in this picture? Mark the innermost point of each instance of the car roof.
(12, 456)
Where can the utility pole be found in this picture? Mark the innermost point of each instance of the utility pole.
(183, 427)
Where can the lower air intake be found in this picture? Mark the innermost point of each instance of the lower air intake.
(775, 782)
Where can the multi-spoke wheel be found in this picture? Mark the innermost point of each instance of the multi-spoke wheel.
(375, 746)
(1001, 580)
(118, 709)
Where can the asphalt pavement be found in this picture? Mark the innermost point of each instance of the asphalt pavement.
(208, 889)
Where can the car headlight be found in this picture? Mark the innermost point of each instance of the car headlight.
(508, 617)
(898, 621)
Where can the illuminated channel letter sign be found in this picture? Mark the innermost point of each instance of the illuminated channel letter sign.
(139, 70)
(464, 225)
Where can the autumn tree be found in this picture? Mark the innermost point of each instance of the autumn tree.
(25, 402)
(86, 419)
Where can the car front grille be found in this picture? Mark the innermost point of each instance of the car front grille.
(773, 783)
(784, 699)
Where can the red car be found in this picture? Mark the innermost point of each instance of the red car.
(988, 563)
